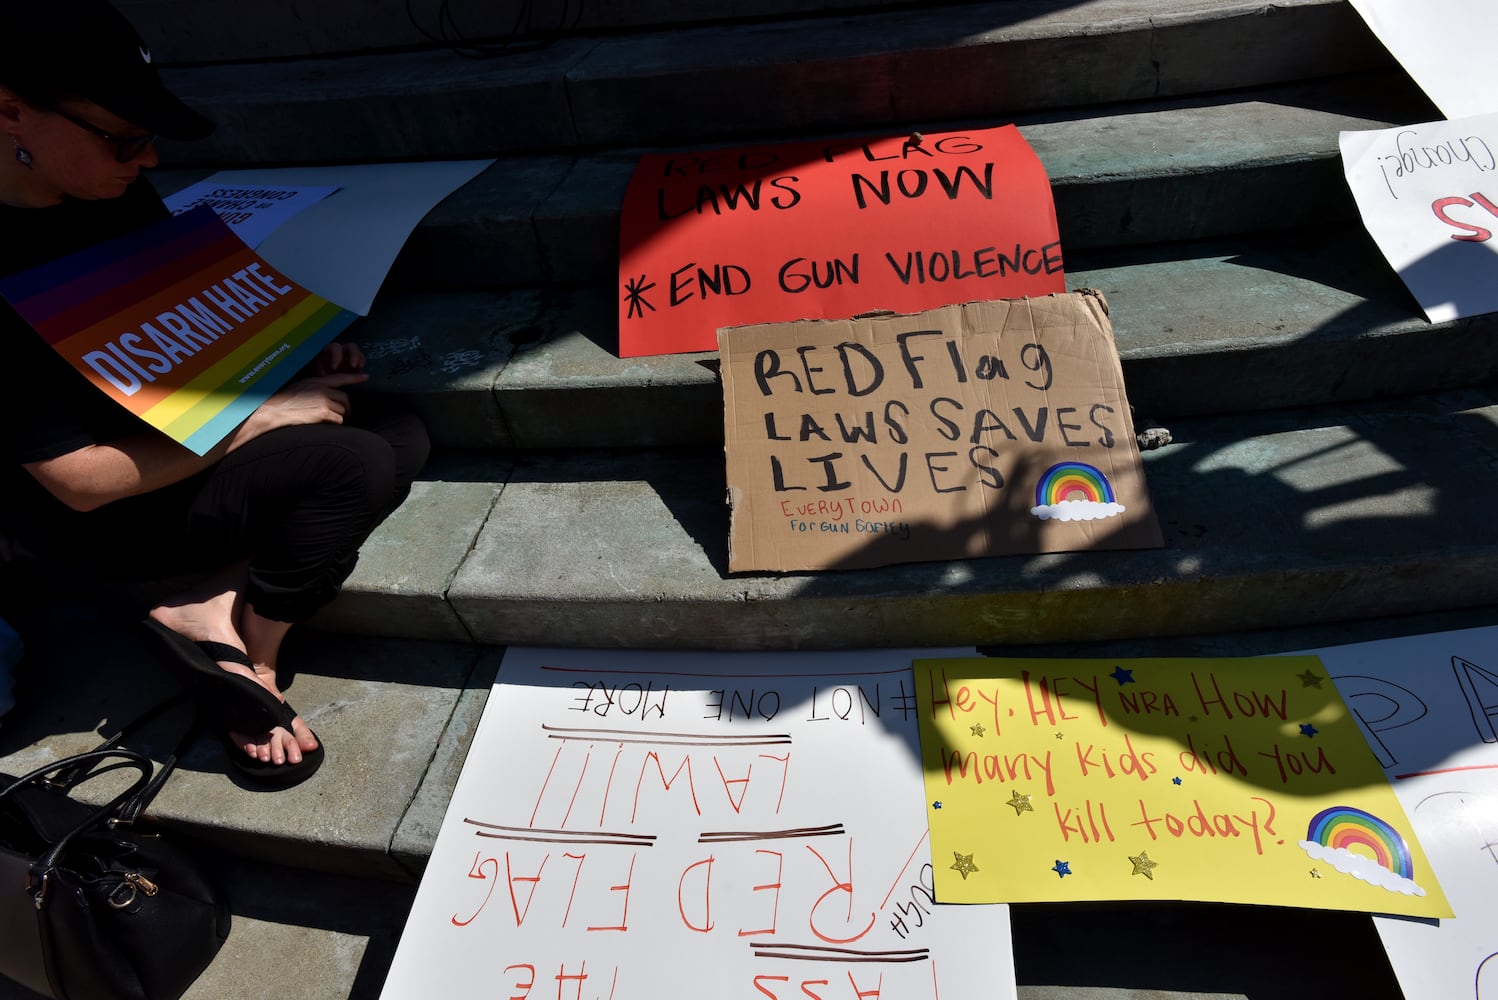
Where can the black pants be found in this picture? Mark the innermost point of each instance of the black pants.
(299, 501)
(296, 502)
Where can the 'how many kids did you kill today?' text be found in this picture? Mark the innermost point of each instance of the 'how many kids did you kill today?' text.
(1229, 780)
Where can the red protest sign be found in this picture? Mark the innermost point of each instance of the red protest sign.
(828, 230)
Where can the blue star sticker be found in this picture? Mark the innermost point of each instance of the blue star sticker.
(1061, 868)
(1306, 729)
(1122, 676)
(1176, 780)
(936, 805)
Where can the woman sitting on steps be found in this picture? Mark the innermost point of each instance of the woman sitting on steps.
(271, 519)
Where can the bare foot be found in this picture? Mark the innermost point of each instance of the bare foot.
(262, 641)
(209, 615)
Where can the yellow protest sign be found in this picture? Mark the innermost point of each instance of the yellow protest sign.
(1231, 780)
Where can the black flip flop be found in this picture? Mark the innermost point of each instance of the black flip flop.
(234, 702)
(269, 774)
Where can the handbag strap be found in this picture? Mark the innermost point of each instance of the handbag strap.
(131, 809)
(76, 773)
(91, 759)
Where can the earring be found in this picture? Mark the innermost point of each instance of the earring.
(23, 155)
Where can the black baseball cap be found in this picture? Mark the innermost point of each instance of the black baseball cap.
(51, 49)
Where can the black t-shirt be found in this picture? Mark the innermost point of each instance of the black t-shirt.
(47, 407)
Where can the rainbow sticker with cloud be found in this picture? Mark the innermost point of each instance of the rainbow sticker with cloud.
(1075, 491)
(1360, 844)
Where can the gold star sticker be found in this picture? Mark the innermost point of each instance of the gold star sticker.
(1021, 803)
(1310, 679)
(1315, 873)
(978, 729)
(1144, 866)
(963, 864)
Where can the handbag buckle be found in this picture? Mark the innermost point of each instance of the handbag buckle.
(41, 891)
(135, 883)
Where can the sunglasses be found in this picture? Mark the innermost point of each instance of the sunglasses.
(126, 147)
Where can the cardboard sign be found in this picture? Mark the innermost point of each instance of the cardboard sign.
(634, 824)
(1429, 707)
(1228, 780)
(252, 211)
(1429, 197)
(830, 230)
(180, 323)
(1431, 41)
(972, 430)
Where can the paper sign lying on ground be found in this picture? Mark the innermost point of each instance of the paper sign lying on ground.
(971, 430)
(829, 230)
(342, 247)
(252, 211)
(1423, 37)
(636, 825)
(1228, 780)
(1429, 707)
(1429, 197)
(179, 322)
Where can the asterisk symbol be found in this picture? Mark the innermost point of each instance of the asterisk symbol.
(634, 294)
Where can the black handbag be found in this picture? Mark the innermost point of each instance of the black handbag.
(93, 907)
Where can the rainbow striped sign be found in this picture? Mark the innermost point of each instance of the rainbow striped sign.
(179, 322)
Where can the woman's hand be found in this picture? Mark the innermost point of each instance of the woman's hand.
(339, 358)
(94, 475)
(316, 400)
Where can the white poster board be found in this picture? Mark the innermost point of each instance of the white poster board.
(1428, 195)
(252, 211)
(342, 247)
(633, 825)
(1428, 705)
(1432, 41)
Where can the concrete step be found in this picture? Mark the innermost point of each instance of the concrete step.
(296, 933)
(1144, 172)
(309, 936)
(1274, 518)
(1288, 319)
(393, 715)
(800, 76)
(319, 918)
(288, 28)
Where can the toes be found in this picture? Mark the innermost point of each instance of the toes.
(251, 745)
(276, 747)
(303, 736)
(287, 745)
